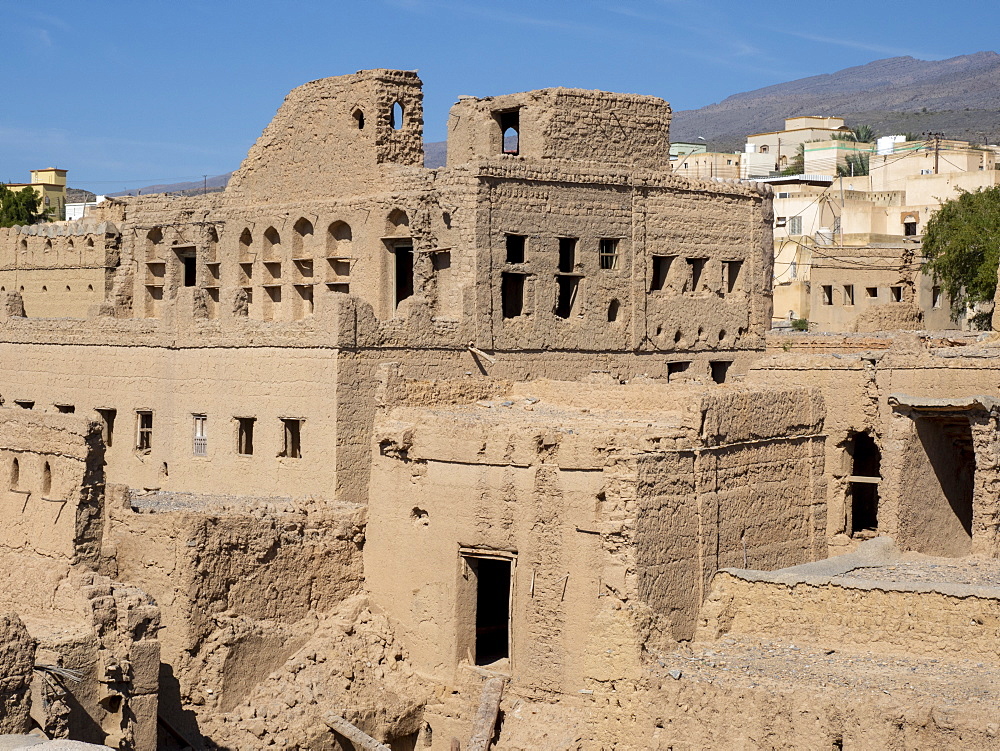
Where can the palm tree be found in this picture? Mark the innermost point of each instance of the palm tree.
(863, 133)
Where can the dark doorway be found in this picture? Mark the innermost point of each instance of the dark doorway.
(190, 271)
(492, 609)
(939, 469)
(866, 469)
(404, 272)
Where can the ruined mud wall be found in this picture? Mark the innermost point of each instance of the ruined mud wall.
(331, 136)
(563, 124)
(930, 620)
(751, 490)
(62, 269)
(579, 499)
(233, 577)
(17, 661)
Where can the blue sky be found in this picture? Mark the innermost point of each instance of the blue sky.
(125, 94)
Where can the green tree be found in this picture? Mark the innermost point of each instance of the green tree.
(854, 165)
(20, 207)
(962, 246)
(863, 133)
(797, 164)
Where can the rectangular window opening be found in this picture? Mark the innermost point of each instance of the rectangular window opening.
(675, 369)
(493, 590)
(515, 248)
(200, 447)
(827, 294)
(190, 270)
(732, 271)
(24, 403)
(66, 409)
(107, 425)
(910, 229)
(720, 369)
(936, 297)
(848, 294)
(608, 253)
(404, 272)
(144, 430)
(292, 429)
(244, 435)
(512, 295)
(697, 266)
(795, 225)
(896, 294)
(661, 268)
(510, 131)
(871, 291)
(568, 287)
(567, 254)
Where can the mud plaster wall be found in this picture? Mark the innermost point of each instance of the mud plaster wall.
(753, 496)
(924, 622)
(17, 660)
(575, 124)
(581, 512)
(63, 269)
(856, 389)
(232, 576)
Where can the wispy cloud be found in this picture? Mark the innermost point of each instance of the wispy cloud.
(857, 45)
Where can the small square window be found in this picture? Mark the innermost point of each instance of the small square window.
(515, 248)
(871, 291)
(896, 294)
(827, 294)
(608, 253)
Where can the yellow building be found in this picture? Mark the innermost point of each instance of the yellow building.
(782, 145)
(50, 185)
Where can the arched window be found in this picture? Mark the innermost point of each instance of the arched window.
(48, 246)
(23, 245)
(302, 229)
(397, 223)
(359, 118)
(763, 149)
(246, 240)
(396, 116)
(90, 242)
(46, 479)
(15, 474)
(153, 238)
(338, 239)
(272, 242)
(613, 311)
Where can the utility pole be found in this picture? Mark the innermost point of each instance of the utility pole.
(937, 148)
(204, 190)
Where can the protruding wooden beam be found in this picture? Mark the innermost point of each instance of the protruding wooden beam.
(486, 718)
(354, 734)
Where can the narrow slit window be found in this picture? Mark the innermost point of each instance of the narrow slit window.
(66, 409)
(107, 425)
(567, 254)
(568, 288)
(144, 430)
(15, 474)
(404, 272)
(696, 268)
(190, 271)
(292, 432)
(732, 271)
(512, 295)
(244, 435)
(515, 248)
(935, 297)
(200, 447)
(607, 253)
(46, 479)
(661, 268)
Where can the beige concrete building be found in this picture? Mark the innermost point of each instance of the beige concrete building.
(50, 186)
(781, 145)
(359, 454)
